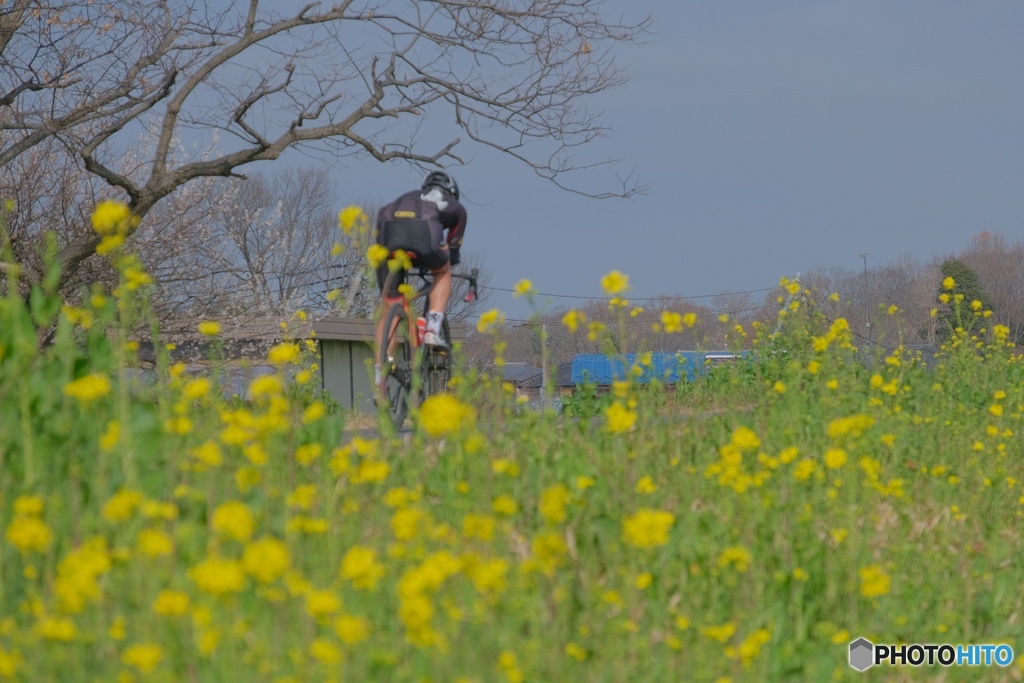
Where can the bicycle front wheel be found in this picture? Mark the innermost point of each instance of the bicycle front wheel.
(396, 366)
(437, 364)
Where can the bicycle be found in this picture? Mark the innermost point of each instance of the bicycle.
(403, 353)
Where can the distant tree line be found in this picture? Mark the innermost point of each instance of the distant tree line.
(885, 306)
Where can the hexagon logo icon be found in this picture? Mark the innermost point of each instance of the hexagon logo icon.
(861, 654)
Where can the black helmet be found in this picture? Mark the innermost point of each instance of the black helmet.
(442, 180)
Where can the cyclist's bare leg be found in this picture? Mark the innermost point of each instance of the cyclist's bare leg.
(392, 337)
(439, 296)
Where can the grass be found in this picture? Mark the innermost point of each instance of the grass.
(158, 533)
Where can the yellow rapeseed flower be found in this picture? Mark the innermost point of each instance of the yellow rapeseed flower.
(61, 629)
(615, 283)
(369, 471)
(647, 528)
(646, 485)
(549, 551)
(144, 657)
(835, 458)
(361, 566)
(284, 353)
(805, 469)
(266, 386)
(619, 418)
(505, 505)
(671, 322)
(737, 556)
(322, 603)
(750, 647)
(313, 412)
(576, 652)
(308, 453)
(78, 575)
(573, 319)
(478, 526)
(745, 438)
(353, 219)
(233, 519)
(122, 505)
(444, 414)
(854, 425)
(400, 260)
(488, 575)
(510, 667)
(376, 254)
(209, 328)
(171, 603)
(197, 388)
(407, 523)
(29, 534)
(266, 559)
(352, 629)
(552, 503)
(400, 496)
(111, 216)
(28, 506)
(490, 319)
(303, 497)
(523, 288)
(88, 388)
(324, 651)
(218, 576)
(874, 582)
(155, 543)
(722, 633)
(208, 454)
(134, 277)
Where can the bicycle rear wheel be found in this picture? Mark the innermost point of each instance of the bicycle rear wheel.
(437, 364)
(396, 369)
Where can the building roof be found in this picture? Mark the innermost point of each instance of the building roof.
(563, 375)
(252, 336)
(521, 373)
(596, 368)
(362, 329)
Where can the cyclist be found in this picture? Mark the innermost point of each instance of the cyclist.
(429, 222)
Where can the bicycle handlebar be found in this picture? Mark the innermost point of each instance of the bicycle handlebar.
(472, 294)
(471, 278)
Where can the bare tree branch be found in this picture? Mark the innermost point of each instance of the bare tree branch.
(369, 78)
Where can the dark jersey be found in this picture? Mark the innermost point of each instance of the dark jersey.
(442, 212)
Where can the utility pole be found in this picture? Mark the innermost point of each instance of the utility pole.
(544, 383)
(544, 366)
(867, 306)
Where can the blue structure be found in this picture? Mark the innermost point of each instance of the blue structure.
(602, 370)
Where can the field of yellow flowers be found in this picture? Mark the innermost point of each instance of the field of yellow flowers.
(161, 532)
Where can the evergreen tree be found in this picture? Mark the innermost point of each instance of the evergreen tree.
(966, 282)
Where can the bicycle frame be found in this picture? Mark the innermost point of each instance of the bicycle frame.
(412, 333)
(417, 370)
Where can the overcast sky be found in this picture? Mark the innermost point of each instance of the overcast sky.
(775, 137)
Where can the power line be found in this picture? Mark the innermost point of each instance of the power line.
(648, 298)
(477, 316)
